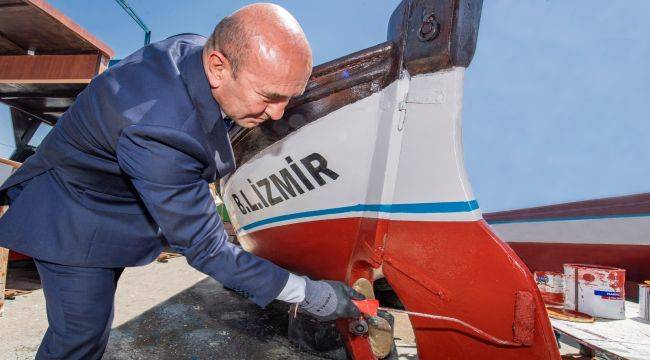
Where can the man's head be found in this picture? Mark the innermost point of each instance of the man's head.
(256, 60)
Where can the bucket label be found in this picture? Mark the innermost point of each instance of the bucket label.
(611, 295)
(542, 279)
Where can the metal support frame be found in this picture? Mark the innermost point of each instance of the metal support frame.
(129, 10)
(25, 126)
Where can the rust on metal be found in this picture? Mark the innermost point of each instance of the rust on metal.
(435, 35)
(430, 27)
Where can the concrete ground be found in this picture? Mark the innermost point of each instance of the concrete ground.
(169, 311)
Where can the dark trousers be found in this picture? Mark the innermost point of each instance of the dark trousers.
(79, 303)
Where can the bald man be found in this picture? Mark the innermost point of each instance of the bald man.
(126, 171)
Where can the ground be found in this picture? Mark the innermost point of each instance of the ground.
(169, 311)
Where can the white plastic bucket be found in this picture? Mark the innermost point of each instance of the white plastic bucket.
(551, 286)
(595, 290)
(644, 301)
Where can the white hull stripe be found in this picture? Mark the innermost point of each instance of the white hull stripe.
(415, 208)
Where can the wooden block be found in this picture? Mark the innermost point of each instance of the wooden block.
(165, 256)
(4, 260)
(569, 315)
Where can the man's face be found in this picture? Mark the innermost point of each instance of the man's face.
(261, 88)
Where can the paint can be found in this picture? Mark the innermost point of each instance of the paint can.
(644, 301)
(595, 290)
(551, 286)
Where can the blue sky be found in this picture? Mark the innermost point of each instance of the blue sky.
(557, 99)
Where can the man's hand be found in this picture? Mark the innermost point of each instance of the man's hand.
(328, 300)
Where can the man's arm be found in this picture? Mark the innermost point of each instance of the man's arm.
(165, 166)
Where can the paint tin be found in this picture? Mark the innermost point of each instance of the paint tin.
(551, 286)
(595, 290)
(644, 301)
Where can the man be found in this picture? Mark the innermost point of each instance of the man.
(127, 169)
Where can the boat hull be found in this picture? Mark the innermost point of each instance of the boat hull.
(610, 232)
(377, 189)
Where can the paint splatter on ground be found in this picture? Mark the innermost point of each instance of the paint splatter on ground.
(205, 322)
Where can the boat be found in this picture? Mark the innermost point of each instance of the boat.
(609, 231)
(363, 181)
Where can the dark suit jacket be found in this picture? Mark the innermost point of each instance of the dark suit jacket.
(127, 167)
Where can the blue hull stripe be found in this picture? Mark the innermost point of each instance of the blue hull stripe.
(417, 208)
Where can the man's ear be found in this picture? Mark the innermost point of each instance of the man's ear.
(217, 67)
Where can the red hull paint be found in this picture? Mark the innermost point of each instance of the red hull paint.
(455, 269)
(635, 259)
(17, 256)
(320, 248)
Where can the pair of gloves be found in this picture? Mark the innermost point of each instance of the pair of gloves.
(328, 300)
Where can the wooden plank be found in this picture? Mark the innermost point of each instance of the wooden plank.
(4, 262)
(626, 339)
(35, 25)
(11, 163)
(72, 26)
(48, 68)
(7, 167)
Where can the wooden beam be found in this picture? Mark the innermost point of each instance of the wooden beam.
(49, 68)
(11, 163)
(39, 114)
(4, 262)
(59, 89)
(74, 27)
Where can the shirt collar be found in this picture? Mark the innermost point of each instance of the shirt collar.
(198, 87)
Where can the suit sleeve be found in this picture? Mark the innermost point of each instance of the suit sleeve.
(165, 166)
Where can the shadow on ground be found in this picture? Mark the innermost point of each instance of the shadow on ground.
(206, 322)
(22, 275)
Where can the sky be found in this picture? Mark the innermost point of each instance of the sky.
(557, 98)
